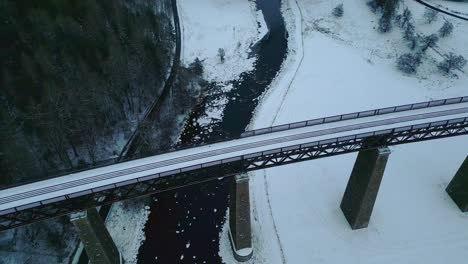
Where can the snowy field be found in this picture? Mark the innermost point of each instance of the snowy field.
(340, 65)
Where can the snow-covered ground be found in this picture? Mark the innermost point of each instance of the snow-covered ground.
(348, 66)
(210, 25)
(127, 228)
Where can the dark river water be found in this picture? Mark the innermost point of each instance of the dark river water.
(184, 224)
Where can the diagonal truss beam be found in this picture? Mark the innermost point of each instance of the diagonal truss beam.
(27, 214)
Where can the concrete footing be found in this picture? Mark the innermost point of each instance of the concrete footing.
(458, 187)
(239, 218)
(97, 241)
(363, 186)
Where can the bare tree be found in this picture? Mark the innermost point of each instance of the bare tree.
(410, 35)
(409, 63)
(221, 54)
(428, 42)
(404, 19)
(430, 15)
(388, 9)
(451, 62)
(446, 29)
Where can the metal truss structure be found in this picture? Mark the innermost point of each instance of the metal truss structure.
(224, 168)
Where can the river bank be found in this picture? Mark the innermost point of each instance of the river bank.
(184, 224)
(349, 66)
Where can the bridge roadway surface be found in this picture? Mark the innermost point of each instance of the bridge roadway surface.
(21, 197)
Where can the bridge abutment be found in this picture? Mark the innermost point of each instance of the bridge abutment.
(97, 241)
(363, 186)
(239, 218)
(458, 187)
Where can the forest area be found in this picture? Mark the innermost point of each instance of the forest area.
(76, 76)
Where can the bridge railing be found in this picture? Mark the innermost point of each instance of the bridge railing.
(403, 132)
(356, 115)
(261, 131)
(378, 133)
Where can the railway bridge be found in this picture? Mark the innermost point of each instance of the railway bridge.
(368, 132)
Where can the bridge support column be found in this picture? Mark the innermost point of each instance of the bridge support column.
(363, 186)
(458, 187)
(239, 218)
(97, 241)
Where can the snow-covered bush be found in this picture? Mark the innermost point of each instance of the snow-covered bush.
(446, 29)
(451, 62)
(338, 11)
(409, 63)
(430, 15)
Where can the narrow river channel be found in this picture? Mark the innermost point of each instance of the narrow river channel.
(184, 224)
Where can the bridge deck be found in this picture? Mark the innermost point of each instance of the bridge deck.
(65, 187)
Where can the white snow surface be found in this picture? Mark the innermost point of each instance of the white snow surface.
(348, 66)
(209, 25)
(127, 229)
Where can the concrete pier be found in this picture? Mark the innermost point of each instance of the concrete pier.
(363, 186)
(97, 241)
(458, 187)
(239, 218)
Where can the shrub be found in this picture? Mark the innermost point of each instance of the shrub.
(338, 11)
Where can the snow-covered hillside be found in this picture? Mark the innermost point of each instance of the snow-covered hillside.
(340, 65)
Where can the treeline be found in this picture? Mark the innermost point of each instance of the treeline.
(73, 72)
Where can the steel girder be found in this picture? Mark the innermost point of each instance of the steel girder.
(348, 144)
(203, 173)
